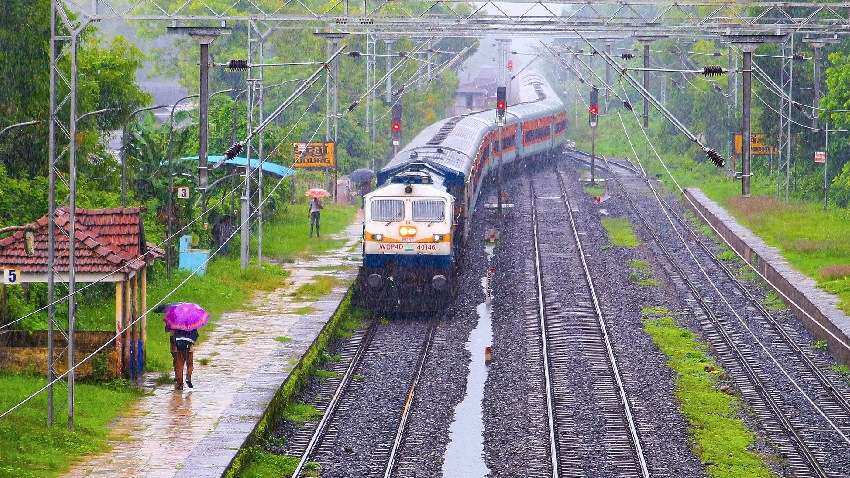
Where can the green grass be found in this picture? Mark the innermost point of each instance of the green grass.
(320, 287)
(262, 464)
(287, 237)
(29, 449)
(820, 344)
(641, 273)
(594, 190)
(620, 232)
(304, 310)
(283, 339)
(300, 413)
(721, 439)
(774, 302)
(325, 374)
(812, 239)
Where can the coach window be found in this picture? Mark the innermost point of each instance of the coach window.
(388, 210)
(429, 211)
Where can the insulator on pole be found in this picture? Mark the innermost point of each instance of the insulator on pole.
(627, 105)
(237, 65)
(627, 56)
(712, 70)
(715, 157)
(233, 151)
(355, 54)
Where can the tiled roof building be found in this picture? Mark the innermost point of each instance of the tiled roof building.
(107, 241)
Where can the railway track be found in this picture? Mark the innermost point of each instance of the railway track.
(800, 409)
(581, 379)
(308, 442)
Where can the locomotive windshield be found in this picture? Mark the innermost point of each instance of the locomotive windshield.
(429, 210)
(387, 210)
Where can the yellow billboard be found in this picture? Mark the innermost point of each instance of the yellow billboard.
(313, 155)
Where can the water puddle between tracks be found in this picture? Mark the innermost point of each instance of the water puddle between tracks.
(465, 452)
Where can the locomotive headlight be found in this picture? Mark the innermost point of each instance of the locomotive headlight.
(407, 231)
(377, 237)
(438, 237)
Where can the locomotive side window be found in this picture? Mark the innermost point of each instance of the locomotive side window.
(429, 211)
(387, 210)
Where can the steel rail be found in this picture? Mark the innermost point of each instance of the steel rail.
(783, 421)
(840, 400)
(332, 406)
(401, 431)
(541, 314)
(603, 327)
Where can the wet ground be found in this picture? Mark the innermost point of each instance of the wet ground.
(196, 432)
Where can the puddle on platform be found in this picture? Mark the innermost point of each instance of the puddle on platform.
(465, 453)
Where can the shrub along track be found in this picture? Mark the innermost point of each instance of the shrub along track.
(801, 410)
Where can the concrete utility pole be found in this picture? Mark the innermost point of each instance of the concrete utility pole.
(746, 134)
(646, 82)
(817, 45)
(608, 45)
(245, 200)
(370, 95)
(748, 44)
(51, 214)
(332, 92)
(204, 36)
(731, 92)
(256, 47)
(389, 97)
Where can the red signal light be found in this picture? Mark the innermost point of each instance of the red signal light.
(396, 126)
(500, 105)
(510, 65)
(594, 109)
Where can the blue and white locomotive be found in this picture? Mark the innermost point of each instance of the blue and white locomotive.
(416, 220)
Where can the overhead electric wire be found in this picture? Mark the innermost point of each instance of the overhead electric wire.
(150, 309)
(279, 110)
(119, 269)
(404, 88)
(740, 319)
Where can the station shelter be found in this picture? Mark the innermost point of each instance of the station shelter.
(110, 248)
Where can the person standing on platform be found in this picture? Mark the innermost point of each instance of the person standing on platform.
(315, 212)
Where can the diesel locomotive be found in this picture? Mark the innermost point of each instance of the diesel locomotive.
(416, 220)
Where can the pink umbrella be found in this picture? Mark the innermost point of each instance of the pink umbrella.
(317, 193)
(186, 316)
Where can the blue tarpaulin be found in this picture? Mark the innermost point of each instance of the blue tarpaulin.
(240, 161)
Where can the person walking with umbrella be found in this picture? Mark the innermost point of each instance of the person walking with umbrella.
(182, 321)
(316, 207)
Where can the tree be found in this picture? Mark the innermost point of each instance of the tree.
(106, 77)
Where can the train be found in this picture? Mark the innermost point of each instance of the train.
(417, 219)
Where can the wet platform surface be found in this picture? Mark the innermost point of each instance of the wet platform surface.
(197, 432)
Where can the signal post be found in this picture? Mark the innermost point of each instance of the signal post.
(395, 125)
(501, 107)
(593, 120)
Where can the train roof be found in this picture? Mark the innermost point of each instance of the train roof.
(449, 146)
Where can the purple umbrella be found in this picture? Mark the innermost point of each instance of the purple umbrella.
(185, 316)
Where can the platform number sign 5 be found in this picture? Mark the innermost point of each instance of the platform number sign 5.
(11, 276)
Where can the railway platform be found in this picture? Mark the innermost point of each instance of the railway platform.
(238, 369)
(816, 308)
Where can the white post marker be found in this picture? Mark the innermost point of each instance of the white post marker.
(10, 276)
